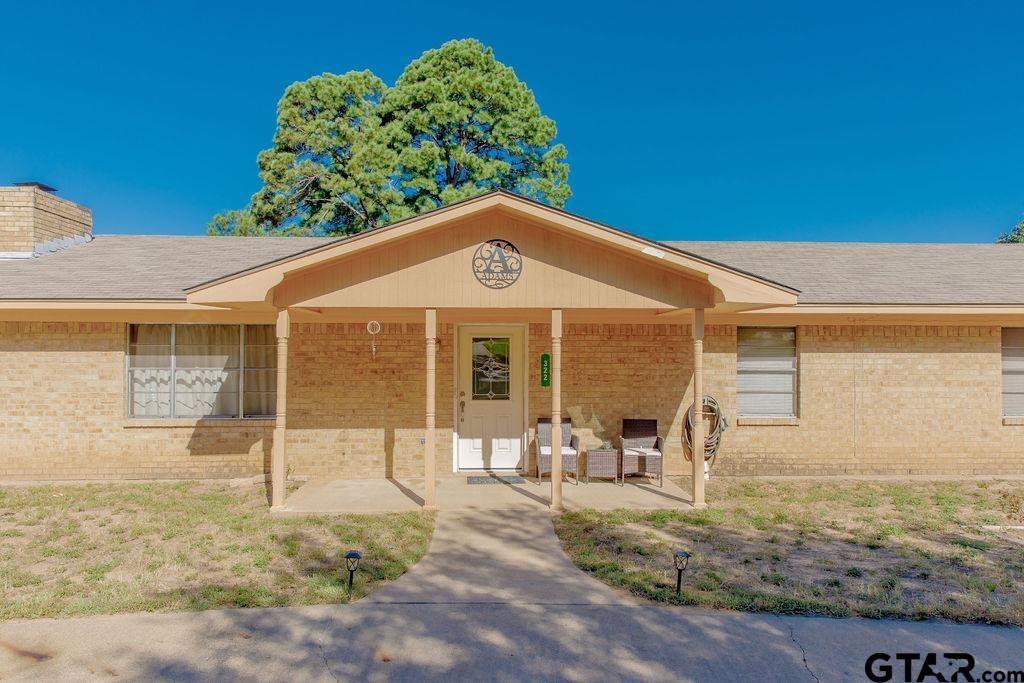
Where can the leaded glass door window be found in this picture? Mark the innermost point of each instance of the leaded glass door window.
(491, 375)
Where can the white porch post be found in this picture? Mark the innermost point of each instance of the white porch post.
(556, 409)
(430, 441)
(698, 402)
(277, 456)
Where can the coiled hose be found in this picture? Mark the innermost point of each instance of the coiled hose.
(713, 440)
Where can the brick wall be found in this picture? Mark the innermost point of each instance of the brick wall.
(872, 400)
(878, 400)
(614, 371)
(62, 414)
(29, 216)
(355, 415)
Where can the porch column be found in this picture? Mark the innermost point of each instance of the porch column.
(556, 409)
(429, 441)
(277, 455)
(698, 402)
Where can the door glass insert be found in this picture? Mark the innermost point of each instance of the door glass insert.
(491, 369)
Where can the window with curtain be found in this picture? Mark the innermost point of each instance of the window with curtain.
(1013, 371)
(191, 371)
(766, 371)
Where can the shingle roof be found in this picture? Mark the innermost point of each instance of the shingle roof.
(141, 266)
(874, 273)
(162, 267)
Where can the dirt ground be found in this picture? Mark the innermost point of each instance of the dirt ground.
(106, 548)
(878, 549)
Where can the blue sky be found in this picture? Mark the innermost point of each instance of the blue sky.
(785, 120)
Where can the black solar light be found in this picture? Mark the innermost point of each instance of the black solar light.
(681, 559)
(352, 558)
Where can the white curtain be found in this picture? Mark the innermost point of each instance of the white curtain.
(260, 379)
(206, 371)
(149, 371)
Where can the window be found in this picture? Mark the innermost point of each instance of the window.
(490, 369)
(192, 371)
(766, 367)
(1013, 371)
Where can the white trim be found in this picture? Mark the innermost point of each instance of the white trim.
(455, 398)
(16, 254)
(524, 426)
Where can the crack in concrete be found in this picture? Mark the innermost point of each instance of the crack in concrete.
(323, 652)
(803, 653)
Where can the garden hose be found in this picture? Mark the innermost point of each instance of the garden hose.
(713, 440)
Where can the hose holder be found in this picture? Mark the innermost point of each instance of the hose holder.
(713, 440)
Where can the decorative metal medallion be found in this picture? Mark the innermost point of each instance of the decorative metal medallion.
(497, 264)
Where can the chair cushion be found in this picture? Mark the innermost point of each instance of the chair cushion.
(642, 451)
(566, 450)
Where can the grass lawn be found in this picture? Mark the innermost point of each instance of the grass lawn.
(875, 549)
(106, 548)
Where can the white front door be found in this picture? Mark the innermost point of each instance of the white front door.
(490, 398)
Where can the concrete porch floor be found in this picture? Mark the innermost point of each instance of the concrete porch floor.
(362, 496)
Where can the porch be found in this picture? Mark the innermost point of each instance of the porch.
(393, 344)
(499, 492)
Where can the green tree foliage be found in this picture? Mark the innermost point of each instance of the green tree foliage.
(350, 153)
(1015, 235)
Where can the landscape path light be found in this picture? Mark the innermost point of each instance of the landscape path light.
(352, 558)
(681, 559)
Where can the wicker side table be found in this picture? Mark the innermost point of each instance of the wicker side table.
(602, 462)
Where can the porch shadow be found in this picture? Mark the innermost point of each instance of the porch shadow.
(361, 496)
(408, 492)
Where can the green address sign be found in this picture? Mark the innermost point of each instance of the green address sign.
(545, 370)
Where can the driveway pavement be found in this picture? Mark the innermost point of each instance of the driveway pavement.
(495, 599)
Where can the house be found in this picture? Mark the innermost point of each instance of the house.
(431, 346)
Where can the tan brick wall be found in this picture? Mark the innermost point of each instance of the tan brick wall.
(62, 414)
(614, 371)
(879, 400)
(29, 216)
(355, 415)
(872, 400)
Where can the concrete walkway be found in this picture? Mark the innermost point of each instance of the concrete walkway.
(495, 599)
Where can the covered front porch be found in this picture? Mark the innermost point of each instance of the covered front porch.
(562, 317)
(502, 492)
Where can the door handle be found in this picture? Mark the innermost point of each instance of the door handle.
(462, 410)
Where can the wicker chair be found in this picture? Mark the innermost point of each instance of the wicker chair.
(643, 451)
(570, 448)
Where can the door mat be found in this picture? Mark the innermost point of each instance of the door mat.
(495, 480)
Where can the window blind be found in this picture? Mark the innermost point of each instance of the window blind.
(766, 372)
(1013, 371)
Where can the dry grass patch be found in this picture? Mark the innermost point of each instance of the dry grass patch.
(107, 548)
(912, 550)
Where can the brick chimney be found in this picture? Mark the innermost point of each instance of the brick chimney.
(31, 215)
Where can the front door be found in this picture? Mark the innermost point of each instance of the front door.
(490, 398)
